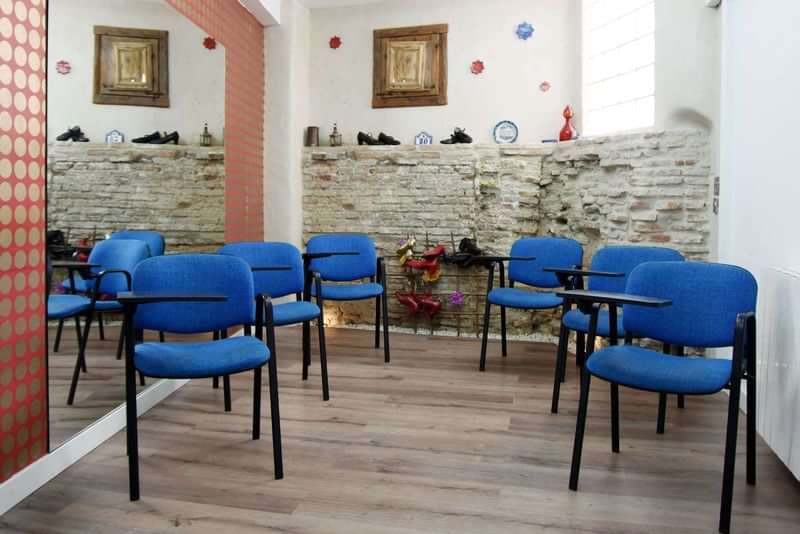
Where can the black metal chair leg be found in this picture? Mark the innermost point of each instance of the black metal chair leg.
(503, 341)
(226, 386)
(378, 322)
(561, 364)
(277, 448)
(57, 342)
(485, 338)
(580, 348)
(248, 330)
(730, 458)
(142, 380)
(101, 330)
(615, 417)
(751, 429)
(306, 348)
(161, 338)
(257, 403)
(662, 413)
(78, 336)
(577, 448)
(385, 306)
(131, 430)
(79, 362)
(323, 359)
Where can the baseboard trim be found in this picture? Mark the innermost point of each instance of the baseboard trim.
(39, 473)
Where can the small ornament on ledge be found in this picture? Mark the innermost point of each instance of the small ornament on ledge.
(568, 132)
(210, 43)
(477, 67)
(525, 31)
(456, 299)
(336, 136)
(545, 86)
(335, 42)
(205, 137)
(63, 67)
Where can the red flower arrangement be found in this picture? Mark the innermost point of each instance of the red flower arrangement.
(335, 42)
(210, 43)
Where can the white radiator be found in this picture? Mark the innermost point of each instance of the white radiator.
(778, 369)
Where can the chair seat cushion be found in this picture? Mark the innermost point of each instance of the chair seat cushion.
(201, 360)
(349, 291)
(641, 368)
(80, 285)
(294, 312)
(107, 306)
(61, 306)
(520, 298)
(579, 321)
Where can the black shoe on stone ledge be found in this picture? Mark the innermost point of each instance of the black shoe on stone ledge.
(387, 139)
(459, 137)
(171, 138)
(73, 134)
(147, 138)
(366, 139)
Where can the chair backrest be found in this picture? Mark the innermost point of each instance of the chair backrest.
(623, 259)
(706, 298)
(153, 239)
(549, 252)
(117, 254)
(273, 283)
(195, 274)
(344, 268)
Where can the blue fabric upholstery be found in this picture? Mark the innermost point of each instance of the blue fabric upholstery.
(154, 240)
(62, 306)
(349, 291)
(623, 259)
(294, 312)
(520, 298)
(549, 252)
(579, 321)
(195, 274)
(706, 298)
(201, 360)
(273, 283)
(649, 370)
(107, 306)
(116, 254)
(344, 268)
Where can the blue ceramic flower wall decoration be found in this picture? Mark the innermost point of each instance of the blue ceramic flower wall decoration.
(525, 31)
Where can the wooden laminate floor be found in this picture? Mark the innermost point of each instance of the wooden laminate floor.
(425, 444)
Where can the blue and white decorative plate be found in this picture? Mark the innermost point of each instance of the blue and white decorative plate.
(525, 31)
(423, 138)
(505, 133)
(114, 137)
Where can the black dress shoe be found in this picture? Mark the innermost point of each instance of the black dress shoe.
(459, 136)
(147, 138)
(387, 139)
(71, 134)
(171, 138)
(366, 139)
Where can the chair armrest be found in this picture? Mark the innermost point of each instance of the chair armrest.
(318, 255)
(99, 278)
(74, 265)
(602, 297)
(582, 272)
(268, 268)
(132, 298)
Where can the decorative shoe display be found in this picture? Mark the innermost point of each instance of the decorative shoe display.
(434, 252)
(387, 139)
(459, 137)
(366, 139)
(409, 302)
(430, 306)
(468, 253)
(424, 264)
(431, 276)
(147, 138)
(170, 138)
(74, 134)
(408, 256)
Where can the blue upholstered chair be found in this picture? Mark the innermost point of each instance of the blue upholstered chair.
(154, 240)
(277, 284)
(114, 260)
(526, 265)
(608, 272)
(685, 304)
(190, 294)
(348, 258)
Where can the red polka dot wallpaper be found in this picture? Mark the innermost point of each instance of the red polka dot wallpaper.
(23, 405)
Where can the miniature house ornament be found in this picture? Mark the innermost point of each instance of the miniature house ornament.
(568, 132)
(205, 137)
(336, 136)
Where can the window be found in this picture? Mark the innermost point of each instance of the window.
(618, 65)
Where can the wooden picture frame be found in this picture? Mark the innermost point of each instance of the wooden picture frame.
(131, 67)
(410, 67)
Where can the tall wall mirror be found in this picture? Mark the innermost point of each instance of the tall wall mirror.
(133, 171)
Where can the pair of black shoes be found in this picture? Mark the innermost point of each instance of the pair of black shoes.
(459, 137)
(383, 139)
(156, 138)
(74, 134)
(467, 255)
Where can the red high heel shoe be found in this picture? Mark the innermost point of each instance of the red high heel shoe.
(428, 265)
(409, 302)
(434, 252)
(431, 306)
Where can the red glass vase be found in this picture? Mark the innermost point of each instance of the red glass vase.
(568, 132)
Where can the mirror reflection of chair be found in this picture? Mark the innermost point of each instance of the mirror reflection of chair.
(348, 258)
(608, 272)
(191, 294)
(686, 304)
(278, 284)
(526, 265)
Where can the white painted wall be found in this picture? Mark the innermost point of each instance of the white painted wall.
(341, 80)
(197, 75)
(760, 192)
(287, 83)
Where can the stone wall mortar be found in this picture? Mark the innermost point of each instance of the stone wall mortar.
(642, 188)
(177, 190)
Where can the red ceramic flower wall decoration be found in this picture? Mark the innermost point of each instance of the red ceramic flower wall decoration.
(63, 67)
(210, 43)
(545, 86)
(335, 42)
(477, 67)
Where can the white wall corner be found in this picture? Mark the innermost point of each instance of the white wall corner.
(267, 12)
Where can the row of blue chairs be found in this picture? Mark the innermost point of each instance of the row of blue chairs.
(643, 293)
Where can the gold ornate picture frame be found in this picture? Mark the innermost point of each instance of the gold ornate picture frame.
(131, 67)
(410, 67)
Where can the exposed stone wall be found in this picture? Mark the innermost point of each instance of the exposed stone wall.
(645, 188)
(177, 190)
